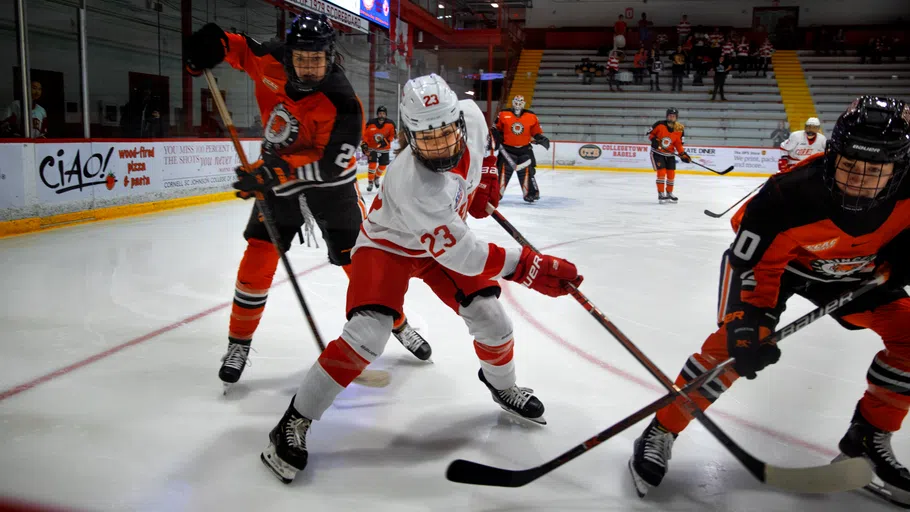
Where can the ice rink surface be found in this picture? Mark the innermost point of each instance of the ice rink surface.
(132, 316)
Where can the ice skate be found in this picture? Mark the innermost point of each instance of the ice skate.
(651, 457)
(671, 198)
(414, 342)
(286, 454)
(370, 186)
(518, 401)
(233, 362)
(662, 198)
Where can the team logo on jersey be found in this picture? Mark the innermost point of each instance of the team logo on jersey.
(843, 267)
(270, 84)
(281, 129)
(589, 152)
(518, 128)
(378, 138)
(665, 142)
(824, 246)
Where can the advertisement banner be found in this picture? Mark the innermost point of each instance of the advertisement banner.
(69, 172)
(376, 11)
(12, 179)
(611, 156)
(195, 164)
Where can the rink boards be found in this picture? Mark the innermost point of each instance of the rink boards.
(58, 182)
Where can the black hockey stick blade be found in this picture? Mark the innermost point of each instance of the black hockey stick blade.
(467, 472)
(709, 213)
(725, 171)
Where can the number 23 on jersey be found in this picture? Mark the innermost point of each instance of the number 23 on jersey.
(440, 235)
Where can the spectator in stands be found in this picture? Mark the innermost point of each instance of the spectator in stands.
(764, 55)
(729, 50)
(866, 51)
(586, 69)
(821, 43)
(660, 42)
(779, 135)
(895, 46)
(11, 125)
(678, 60)
(683, 30)
(717, 40)
(742, 56)
(882, 48)
(654, 68)
(839, 42)
(687, 50)
(613, 70)
(644, 30)
(619, 33)
(721, 69)
(639, 66)
(141, 115)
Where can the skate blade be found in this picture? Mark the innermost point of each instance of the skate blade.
(890, 493)
(226, 388)
(641, 487)
(282, 470)
(539, 421)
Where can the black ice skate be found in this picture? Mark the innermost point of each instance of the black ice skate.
(864, 440)
(651, 457)
(518, 401)
(671, 198)
(662, 198)
(414, 342)
(287, 453)
(233, 362)
(370, 186)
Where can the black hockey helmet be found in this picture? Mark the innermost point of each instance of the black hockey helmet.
(309, 33)
(383, 110)
(673, 110)
(873, 130)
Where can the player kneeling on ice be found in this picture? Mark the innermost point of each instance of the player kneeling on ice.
(667, 137)
(818, 231)
(416, 228)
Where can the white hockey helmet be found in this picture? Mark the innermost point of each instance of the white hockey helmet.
(813, 121)
(433, 122)
(518, 103)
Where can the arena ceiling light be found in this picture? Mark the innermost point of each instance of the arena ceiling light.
(494, 5)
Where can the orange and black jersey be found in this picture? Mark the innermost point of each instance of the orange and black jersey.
(667, 142)
(315, 134)
(794, 225)
(379, 134)
(517, 131)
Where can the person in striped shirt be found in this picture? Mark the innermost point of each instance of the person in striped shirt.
(742, 56)
(613, 71)
(683, 29)
(728, 49)
(764, 54)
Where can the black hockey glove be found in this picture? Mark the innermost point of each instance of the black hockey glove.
(543, 141)
(259, 178)
(365, 149)
(685, 158)
(896, 255)
(205, 49)
(744, 334)
(384, 143)
(497, 136)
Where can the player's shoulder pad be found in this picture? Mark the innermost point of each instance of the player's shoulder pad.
(276, 48)
(373, 121)
(339, 91)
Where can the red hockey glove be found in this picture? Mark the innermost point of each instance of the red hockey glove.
(487, 191)
(685, 158)
(545, 274)
(783, 164)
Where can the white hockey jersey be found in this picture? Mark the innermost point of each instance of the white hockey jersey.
(421, 214)
(797, 146)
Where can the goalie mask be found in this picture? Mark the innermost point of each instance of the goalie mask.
(518, 104)
(433, 123)
(868, 154)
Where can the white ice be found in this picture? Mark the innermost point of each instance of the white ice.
(147, 428)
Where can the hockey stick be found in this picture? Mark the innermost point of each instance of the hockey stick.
(834, 477)
(371, 378)
(467, 472)
(725, 171)
(719, 215)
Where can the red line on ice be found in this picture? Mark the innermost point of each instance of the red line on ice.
(133, 342)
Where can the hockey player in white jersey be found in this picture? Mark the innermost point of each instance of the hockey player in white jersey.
(801, 145)
(416, 228)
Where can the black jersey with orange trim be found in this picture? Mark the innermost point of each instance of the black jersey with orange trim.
(666, 141)
(518, 130)
(378, 134)
(794, 225)
(316, 133)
